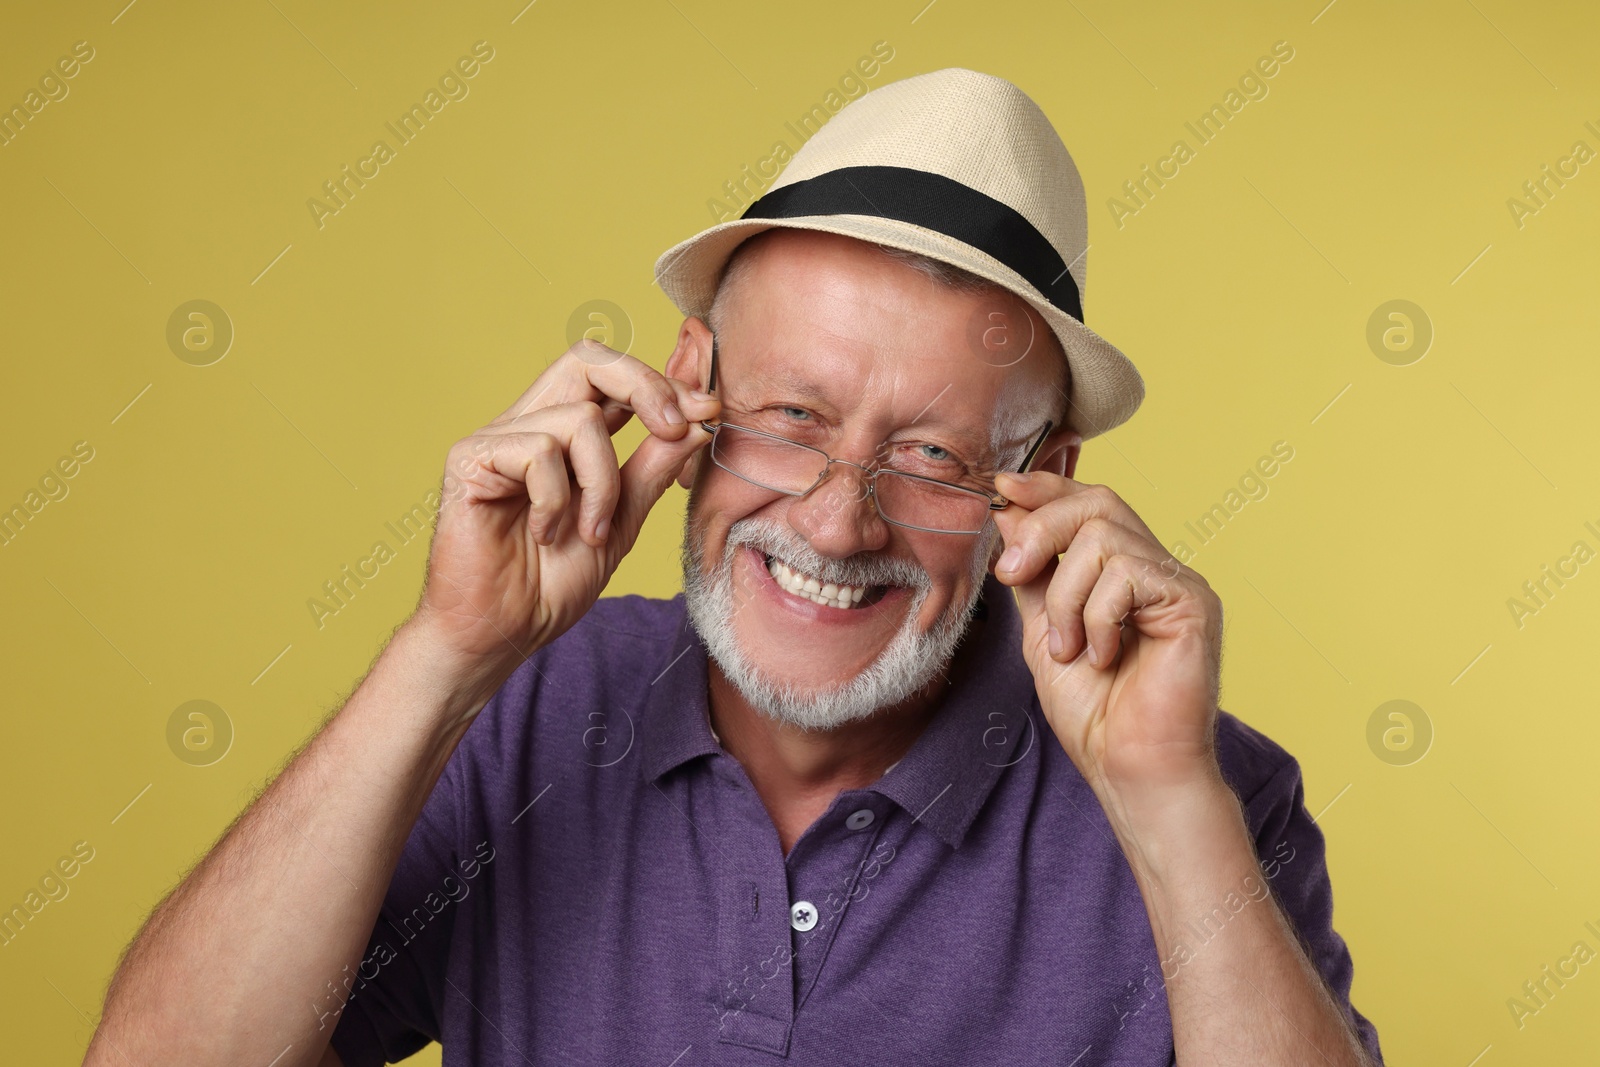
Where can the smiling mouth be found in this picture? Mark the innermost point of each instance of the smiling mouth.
(828, 594)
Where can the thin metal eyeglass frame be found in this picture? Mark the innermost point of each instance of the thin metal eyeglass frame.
(995, 500)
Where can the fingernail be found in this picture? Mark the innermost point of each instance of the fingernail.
(601, 527)
(1020, 476)
(672, 414)
(695, 394)
(1055, 641)
(1010, 559)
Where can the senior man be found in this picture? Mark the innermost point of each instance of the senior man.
(925, 766)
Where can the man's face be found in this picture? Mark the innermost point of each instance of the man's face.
(829, 342)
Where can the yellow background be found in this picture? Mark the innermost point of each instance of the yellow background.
(1378, 567)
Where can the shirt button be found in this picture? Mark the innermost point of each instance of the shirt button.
(803, 915)
(860, 820)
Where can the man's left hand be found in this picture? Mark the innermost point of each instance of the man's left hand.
(1124, 642)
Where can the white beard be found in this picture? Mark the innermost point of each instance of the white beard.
(911, 660)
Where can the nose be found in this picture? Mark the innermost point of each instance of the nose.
(838, 518)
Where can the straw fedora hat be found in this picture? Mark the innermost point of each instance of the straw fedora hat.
(956, 165)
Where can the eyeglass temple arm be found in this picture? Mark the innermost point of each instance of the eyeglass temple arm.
(1033, 450)
(711, 387)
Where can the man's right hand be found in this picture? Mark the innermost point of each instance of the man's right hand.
(519, 554)
(536, 513)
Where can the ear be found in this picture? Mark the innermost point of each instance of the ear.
(1059, 453)
(690, 361)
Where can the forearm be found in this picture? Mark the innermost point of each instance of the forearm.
(1240, 988)
(231, 965)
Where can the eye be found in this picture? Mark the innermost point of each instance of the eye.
(934, 461)
(924, 453)
(794, 412)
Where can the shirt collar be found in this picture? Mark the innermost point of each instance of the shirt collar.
(950, 770)
(677, 720)
(977, 731)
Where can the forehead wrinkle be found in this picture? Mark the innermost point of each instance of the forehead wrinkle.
(787, 381)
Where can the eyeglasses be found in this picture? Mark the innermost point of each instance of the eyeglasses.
(906, 498)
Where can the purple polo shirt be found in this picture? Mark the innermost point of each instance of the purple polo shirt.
(595, 881)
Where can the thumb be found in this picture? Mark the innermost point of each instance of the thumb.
(645, 476)
(1030, 594)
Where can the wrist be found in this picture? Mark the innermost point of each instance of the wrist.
(1174, 831)
(452, 687)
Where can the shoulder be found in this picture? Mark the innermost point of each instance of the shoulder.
(603, 662)
(616, 642)
(1256, 766)
(619, 618)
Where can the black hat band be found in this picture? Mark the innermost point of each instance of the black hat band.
(933, 202)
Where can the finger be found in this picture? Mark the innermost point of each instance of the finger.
(594, 467)
(587, 451)
(645, 476)
(584, 429)
(1030, 591)
(543, 469)
(1037, 488)
(696, 406)
(665, 405)
(1038, 531)
(1127, 584)
(563, 381)
(1049, 529)
(551, 390)
(1078, 575)
(591, 371)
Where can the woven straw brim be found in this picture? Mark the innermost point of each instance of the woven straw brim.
(1105, 388)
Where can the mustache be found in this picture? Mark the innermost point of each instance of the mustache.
(775, 538)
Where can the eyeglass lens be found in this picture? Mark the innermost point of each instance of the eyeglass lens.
(788, 467)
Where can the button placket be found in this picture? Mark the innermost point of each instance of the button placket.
(813, 944)
(754, 997)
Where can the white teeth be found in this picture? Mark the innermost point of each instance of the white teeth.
(830, 594)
